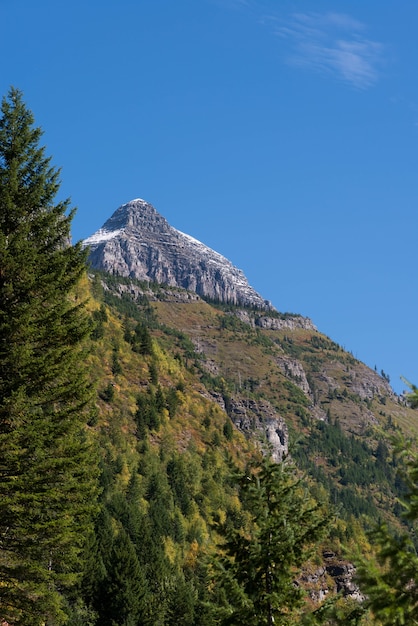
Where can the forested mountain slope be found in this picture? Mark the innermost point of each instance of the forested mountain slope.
(279, 380)
(188, 393)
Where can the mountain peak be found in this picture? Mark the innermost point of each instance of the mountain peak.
(137, 241)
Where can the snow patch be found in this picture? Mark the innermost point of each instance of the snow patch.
(192, 239)
(214, 257)
(137, 200)
(101, 235)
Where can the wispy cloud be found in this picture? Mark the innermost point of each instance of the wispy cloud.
(332, 43)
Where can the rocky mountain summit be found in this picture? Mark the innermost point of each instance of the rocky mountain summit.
(139, 243)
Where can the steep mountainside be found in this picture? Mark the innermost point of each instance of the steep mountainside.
(190, 388)
(189, 391)
(270, 372)
(138, 242)
(282, 382)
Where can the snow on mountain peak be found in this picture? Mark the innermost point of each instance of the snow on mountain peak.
(136, 201)
(101, 235)
(137, 241)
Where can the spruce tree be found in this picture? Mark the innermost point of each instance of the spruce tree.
(390, 579)
(259, 561)
(47, 479)
(124, 590)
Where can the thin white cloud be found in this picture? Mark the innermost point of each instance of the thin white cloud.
(333, 43)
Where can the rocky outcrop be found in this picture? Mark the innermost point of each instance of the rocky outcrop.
(336, 575)
(343, 574)
(138, 242)
(367, 383)
(138, 291)
(259, 418)
(293, 370)
(278, 321)
(358, 379)
(291, 322)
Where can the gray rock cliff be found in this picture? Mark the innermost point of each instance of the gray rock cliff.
(138, 242)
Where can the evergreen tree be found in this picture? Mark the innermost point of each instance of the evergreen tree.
(390, 581)
(181, 603)
(259, 561)
(125, 588)
(47, 481)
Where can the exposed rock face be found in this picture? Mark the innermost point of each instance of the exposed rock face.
(293, 369)
(290, 322)
(286, 321)
(138, 242)
(336, 575)
(343, 574)
(251, 416)
(367, 383)
(138, 291)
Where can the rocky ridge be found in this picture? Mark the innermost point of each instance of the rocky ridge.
(138, 242)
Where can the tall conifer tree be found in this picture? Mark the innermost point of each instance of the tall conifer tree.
(47, 479)
(258, 563)
(390, 580)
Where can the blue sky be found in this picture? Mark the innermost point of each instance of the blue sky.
(282, 134)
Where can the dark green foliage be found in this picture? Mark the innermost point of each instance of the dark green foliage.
(142, 341)
(251, 384)
(139, 338)
(114, 586)
(228, 430)
(215, 383)
(116, 366)
(390, 581)
(158, 508)
(108, 393)
(353, 462)
(153, 373)
(385, 376)
(138, 308)
(181, 603)
(259, 559)
(124, 589)
(172, 401)
(99, 318)
(260, 339)
(233, 322)
(150, 406)
(47, 480)
(323, 343)
(180, 482)
(95, 572)
(296, 395)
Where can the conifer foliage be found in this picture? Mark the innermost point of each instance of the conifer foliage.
(259, 561)
(390, 580)
(47, 483)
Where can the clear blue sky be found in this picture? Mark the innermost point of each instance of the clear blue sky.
(282, 134)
